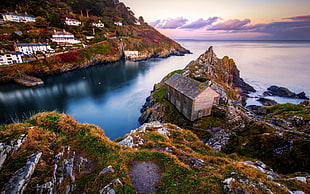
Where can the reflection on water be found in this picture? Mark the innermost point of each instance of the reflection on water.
(111, 96)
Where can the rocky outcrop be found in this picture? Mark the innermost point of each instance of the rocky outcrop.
(13, 146)
(129, 140)
(67, 165)
(219, 138)
(258, 110)
(283, 92)
(21, 177)
(224, 70)
(232, 184)
(291, 122)
(171, 160)
(267, 102)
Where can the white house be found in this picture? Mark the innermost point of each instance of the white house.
(72, 22)
(98, 24)
(10, 58)
(131, 54)
(33, 48)
(90, 37)
(13, 17)
(118, 23)
(64, 37)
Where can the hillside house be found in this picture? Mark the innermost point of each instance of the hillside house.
(118, 23)
(131, 54)
(33, 48)
(63, 37)
(72, 22)
(15, 17)
(192, 98)
(11, 58)
(98, 24)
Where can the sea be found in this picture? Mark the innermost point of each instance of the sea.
(111, 95)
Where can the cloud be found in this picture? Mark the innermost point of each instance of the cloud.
(290, 28)
(169, 23)
(300, 18)
(201, 23)
(155, 23)
(297, 28)
(234, 24)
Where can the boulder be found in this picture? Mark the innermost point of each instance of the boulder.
(283, 92)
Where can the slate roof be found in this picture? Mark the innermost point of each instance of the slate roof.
(187, 86)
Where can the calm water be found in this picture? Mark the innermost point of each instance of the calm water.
(111, 96)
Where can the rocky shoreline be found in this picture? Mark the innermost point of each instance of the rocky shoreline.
(108, 51)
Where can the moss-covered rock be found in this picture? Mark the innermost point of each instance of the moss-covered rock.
(183, 160)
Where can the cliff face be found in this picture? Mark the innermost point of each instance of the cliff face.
(55, 154)
(223, 71)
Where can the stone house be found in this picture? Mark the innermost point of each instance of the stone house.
(192, 98)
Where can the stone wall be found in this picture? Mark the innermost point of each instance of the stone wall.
(183, 103)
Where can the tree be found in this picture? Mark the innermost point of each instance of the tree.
(41, 22)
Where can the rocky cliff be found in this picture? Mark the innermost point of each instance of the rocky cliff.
(278, 135)
(55, 154)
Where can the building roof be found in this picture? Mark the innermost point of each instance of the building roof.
(32, 44)
(187, 86)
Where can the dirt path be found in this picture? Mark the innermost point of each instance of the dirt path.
(145, 176)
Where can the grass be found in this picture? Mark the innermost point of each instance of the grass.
(51, 131)
(258, 140)
(288, 109)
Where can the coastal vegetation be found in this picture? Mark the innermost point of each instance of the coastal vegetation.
(182, 158)
(121, 31)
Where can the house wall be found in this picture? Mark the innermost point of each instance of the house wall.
(18, 18)
(32, 49)
(196, 108)
(180, 101)
(10, 58)
(203, 103)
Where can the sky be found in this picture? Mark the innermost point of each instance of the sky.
(226, 19)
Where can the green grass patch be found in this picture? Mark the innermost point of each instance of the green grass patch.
(288, 109)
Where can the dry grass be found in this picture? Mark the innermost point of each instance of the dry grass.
(50, 131)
